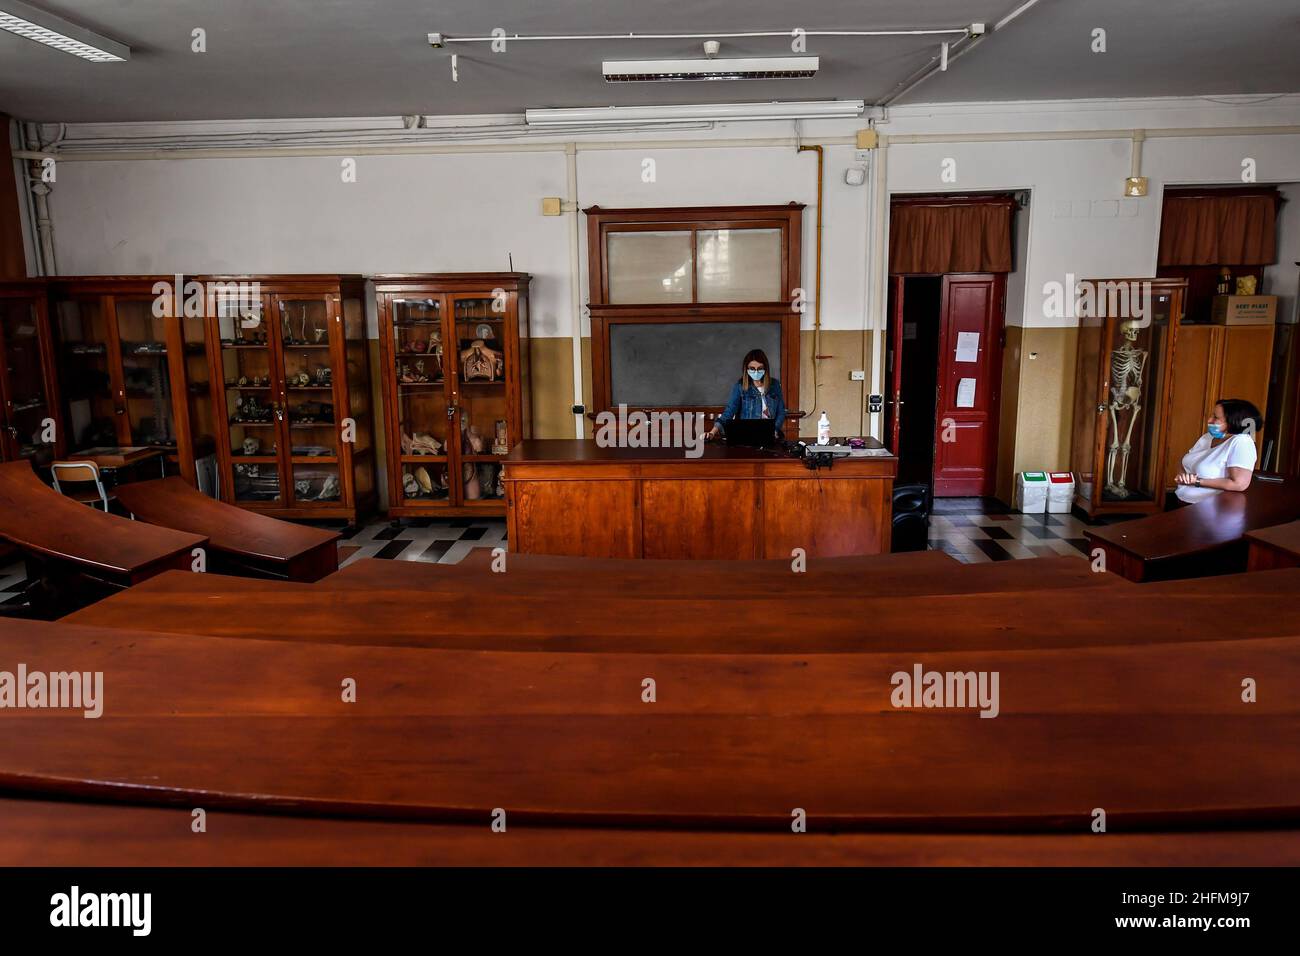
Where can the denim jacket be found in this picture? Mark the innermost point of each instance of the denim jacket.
(749, 404)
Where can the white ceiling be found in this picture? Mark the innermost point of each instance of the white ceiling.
(318, 58)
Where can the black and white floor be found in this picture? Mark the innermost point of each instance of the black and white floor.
(973, 530)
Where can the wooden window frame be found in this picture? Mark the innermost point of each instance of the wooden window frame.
(604, 315)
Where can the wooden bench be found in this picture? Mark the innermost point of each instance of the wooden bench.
(1157, 735)
(789, 621)
(1200, 539)
(79, 834)
(895, 575)
(63, 538)
(240, 540)
(1277, 547)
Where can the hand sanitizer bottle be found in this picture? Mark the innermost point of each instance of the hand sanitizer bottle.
(823, 430)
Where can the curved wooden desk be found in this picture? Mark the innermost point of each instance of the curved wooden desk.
(609, 620)
(1156, 735)
(1204, 538)
(884, 575)
(245, 539)
(45, 524)
(62, 833)
(1272, 548)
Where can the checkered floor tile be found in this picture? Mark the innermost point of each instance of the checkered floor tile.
(977, 530)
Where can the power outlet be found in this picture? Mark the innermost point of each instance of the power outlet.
(857, 375)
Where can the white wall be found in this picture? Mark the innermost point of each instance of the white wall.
(1283, 279)
(451, 212)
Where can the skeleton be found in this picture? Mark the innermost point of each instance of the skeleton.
(1126, 366)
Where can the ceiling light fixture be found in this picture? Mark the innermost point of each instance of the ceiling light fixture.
(704, 112)
(726, 68)
(27, 21)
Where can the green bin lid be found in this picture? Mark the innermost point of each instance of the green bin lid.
(1034, 475)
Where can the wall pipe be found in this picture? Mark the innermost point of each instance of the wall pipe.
(817, 302)
(575, 280)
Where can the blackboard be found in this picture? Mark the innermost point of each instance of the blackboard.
(685, 363)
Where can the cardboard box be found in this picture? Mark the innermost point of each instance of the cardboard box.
(1244, 310)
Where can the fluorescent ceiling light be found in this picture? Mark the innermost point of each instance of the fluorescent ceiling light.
(27, 21)
(707, 112)
(734, 68)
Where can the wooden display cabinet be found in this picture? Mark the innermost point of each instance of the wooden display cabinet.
(291, 380)
(452, 409)
(1122, 393)
(29, 386)
(133, 373)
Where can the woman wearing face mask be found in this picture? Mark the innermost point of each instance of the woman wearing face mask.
(756, 395)
(1224, 457)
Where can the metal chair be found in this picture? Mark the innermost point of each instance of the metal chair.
(81, 473)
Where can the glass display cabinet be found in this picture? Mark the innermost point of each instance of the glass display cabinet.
(291, 376)
(1127, 332)
(454, 360)
(29, 391)
(133, 372)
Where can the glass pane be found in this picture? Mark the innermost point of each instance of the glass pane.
(28, 407)
(304, 323)
(256, 482)
(425, 483)
(1135, 384)
(739, 265)
(481, 481)
(199, 392)
(247, 374)
(649, 267)
(484, 436)
(314, 483)
(421, 397)
(142, 336)
(86, 383)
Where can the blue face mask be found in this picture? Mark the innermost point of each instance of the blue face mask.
(756, 373)
(1216, 432)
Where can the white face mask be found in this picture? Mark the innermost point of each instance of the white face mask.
(756, 374)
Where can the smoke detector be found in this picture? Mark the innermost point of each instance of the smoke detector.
(735, 68)
(711, 48)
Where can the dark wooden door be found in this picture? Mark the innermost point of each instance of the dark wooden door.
(970, 373)
(894, 366)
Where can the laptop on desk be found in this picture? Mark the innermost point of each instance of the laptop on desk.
(751, 432)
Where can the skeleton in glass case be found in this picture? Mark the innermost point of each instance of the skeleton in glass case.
(1127, 363)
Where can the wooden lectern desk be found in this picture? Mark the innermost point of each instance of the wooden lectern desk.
(573, 497)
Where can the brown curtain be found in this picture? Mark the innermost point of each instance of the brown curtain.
(1206, 229)
(950, 237)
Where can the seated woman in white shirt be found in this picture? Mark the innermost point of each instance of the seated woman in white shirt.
(1222, 459)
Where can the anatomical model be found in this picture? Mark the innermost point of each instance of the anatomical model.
(1127, 364)
(480, 362)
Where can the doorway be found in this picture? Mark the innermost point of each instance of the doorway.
(943, 379)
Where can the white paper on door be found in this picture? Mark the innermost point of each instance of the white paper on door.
(968, 346)
(966, 393)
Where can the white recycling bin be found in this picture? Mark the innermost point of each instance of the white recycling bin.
(1031, 492)
(1060, 492)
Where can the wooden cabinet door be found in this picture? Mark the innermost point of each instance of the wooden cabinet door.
(970, 371)
(1247, 366)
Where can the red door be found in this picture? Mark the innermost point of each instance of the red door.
(970, 373)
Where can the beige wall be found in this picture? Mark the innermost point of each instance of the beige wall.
(1046, 399)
